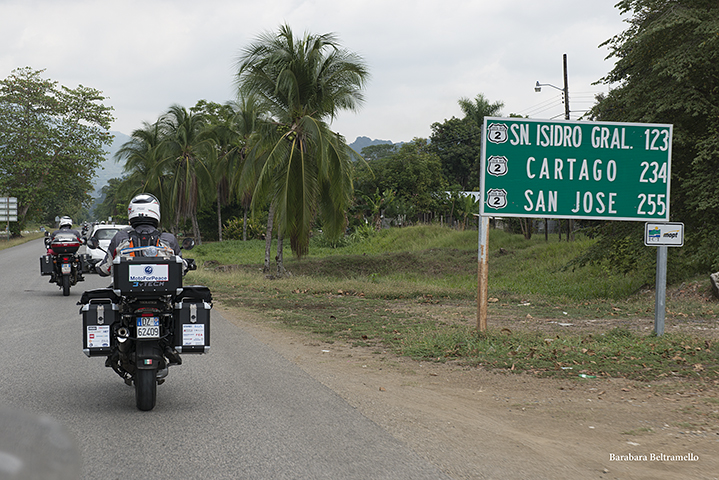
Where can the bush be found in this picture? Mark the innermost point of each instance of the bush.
(320, 240)
(232, 229)
(362, 232)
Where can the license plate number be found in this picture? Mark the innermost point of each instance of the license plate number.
(148, 327)
(65, 268)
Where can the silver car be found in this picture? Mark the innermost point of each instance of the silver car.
(103, 233)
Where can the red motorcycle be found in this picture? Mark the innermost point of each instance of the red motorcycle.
(62, 263)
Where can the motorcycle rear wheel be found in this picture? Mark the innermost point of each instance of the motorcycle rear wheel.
(66, 285)
(145, 389)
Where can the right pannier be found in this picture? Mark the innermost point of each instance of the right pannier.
(192, 320)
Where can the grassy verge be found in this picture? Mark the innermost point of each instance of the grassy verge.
(413, 291)
(5, 243)
(615, 353)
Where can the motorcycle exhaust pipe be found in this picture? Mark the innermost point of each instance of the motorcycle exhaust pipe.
(122, 336)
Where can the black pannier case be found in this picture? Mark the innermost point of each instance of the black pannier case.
(98, 317)
(46, 265)
(192, 322)
(150, 275)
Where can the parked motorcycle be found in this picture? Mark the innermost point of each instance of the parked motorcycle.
(146, 319)
(62, 263)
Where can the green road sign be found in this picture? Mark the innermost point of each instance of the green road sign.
(582, 170)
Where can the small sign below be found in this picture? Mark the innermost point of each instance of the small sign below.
(664, 234)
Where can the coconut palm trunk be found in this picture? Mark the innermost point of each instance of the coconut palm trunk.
(268, 239)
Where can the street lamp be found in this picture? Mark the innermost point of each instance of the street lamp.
(565, 90)
(538, 86)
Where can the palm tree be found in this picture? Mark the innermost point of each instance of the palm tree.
(222, 157)
(244, 126)
(186, 150)
(302, 83)
(144, 166)
(113, 203)
(479, 108)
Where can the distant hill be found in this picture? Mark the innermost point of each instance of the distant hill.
(109, 168)
(362, 142)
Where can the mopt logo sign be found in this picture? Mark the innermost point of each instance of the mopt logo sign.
(664, 234)
(569, 169)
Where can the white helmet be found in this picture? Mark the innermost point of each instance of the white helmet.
(144, 208)
(66, 221)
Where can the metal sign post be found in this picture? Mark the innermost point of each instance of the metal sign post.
(662, 235)
(660, 291)
(482, 274)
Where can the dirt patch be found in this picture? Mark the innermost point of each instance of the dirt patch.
(476, 424)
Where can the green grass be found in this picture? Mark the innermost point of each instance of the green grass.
(615, 353)
(537, 268)
(413, 291)
(5, 243)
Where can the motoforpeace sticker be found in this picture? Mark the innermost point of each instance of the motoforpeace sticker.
(149, 273)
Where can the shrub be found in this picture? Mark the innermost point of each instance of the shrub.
(232, 229)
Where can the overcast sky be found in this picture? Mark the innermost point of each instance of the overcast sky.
(423, 55)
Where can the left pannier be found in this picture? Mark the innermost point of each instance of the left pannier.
(46, 266)
(99, 314)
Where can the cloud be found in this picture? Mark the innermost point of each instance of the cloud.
(423, 55)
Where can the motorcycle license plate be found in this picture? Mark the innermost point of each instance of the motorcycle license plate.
(148, 327)
(65, 268)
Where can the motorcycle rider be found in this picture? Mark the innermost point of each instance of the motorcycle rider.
(64, 227)
(143, 213)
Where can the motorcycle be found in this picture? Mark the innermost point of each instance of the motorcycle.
(147, 319)
(62, 263)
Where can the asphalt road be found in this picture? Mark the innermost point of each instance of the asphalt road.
(241, 412)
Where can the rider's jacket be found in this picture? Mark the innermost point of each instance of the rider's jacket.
(127, 240)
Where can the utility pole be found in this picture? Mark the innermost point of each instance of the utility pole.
(565, 93)
(570, 233)
(566, 89)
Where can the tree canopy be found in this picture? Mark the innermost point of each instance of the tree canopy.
(52, 139)
(413, 173)
(667, 71)
(458, 142)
